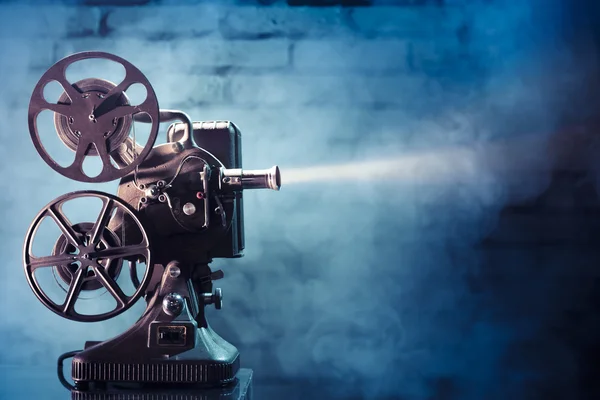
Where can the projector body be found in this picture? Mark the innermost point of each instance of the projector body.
(178, 206)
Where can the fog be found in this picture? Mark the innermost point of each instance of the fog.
(356, 271)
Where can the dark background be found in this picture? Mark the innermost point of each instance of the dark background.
(468, 271)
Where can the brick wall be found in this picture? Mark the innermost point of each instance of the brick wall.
(311, 86)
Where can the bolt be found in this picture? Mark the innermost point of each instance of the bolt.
(173, 304)
(160, 184)
(189, 208)
(199, 195)
(162, 198)
(226, 179)
(174, 271)
(143, 200)
(215, 298)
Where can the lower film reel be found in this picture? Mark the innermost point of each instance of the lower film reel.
(88, 256)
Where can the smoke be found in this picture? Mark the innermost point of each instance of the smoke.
(359, 272)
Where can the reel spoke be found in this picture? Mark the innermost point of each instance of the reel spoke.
(64, 225)
(102, 221)
(69, 89)
(103, 153)
(50, 261)
(74, 290)
(121, 252)
(109, 283)
(82, 148)
(62, 109)
(119, 112)
(39, 103)
(129, 80)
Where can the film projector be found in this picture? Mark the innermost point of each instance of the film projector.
(178, 207)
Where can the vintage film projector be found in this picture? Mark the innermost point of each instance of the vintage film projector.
(178, 207)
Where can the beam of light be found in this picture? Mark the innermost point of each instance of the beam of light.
(526, 154)
(403, 167)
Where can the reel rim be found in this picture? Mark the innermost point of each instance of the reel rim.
(38, 103)
(68, 311)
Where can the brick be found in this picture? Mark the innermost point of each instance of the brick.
(160, 22)
(186, 55)
(26, 53)
(417, 22)
(183, 90)
(47, 21)
(379, 56)
(291, 90)
(240, 53)
(260, 22)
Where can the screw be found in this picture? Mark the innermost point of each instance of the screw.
(160, 184)
(199, 195)
(162, 198)
(189, 208)
(174, 271)
(142, 186)
(226, 179)
(173, 304)
(218, 210)
(71, 120)
(143, 200)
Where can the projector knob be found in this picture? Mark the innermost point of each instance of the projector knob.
(215, 298)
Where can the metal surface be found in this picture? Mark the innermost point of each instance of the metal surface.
(89, 255)
(252, 179)
(173, 303)
(162, 347)
(93, 117)
(174, 211)
(240, 389)
(107, 240)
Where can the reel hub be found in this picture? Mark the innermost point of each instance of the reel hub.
(83, 232)
(93, 92)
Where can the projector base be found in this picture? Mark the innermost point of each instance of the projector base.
(161, 349)
(239, 389)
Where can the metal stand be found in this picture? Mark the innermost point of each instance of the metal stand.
(171, 343)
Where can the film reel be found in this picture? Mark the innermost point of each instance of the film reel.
(96, 119)
(97, 250)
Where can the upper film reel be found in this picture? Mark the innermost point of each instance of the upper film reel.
(93, 118)
(88, 256)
